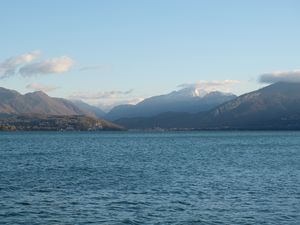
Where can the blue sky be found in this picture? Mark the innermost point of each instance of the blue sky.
(135, 49)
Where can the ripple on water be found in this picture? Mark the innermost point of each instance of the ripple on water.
(150, 178)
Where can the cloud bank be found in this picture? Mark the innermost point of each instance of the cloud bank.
(50, 66)
(23, 65)
(220, 85)
(287, 76)
(10, 66)
(107, 99)
(40, 87)
(101, 95)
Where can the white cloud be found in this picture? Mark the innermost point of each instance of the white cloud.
(10, 66)
(50, 66)
(23, 65)
(220, 85)
(40, 87)
(101, 95)
(287, 76)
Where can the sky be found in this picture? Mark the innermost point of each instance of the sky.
(122, 51)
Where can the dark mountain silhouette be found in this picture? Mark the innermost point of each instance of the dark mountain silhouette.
(276, 106)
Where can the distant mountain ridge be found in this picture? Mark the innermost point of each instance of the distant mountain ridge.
(90, 108)
(276, 106)
(12, 102)
(190, 100)
(38, 111)
(270, 106)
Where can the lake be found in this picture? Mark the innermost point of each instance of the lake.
(150, 178)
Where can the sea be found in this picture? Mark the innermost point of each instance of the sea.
(200, 177)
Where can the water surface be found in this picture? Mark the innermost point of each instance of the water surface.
(150, 178)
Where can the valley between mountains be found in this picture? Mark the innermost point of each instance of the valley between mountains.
(274, 107)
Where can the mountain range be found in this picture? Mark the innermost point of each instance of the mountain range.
(190, 100)
(12, 102)
(276, 106)
(38, 111)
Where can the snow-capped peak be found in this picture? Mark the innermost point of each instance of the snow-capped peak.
(189, 92)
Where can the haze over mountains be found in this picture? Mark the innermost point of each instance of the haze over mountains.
(99, 113)
(186, 100)
(190, 100)
(276, 106)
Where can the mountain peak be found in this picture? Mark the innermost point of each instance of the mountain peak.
(188, 99)
(12, 102)
(273, 107)
(189, 92)
(39, 93)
